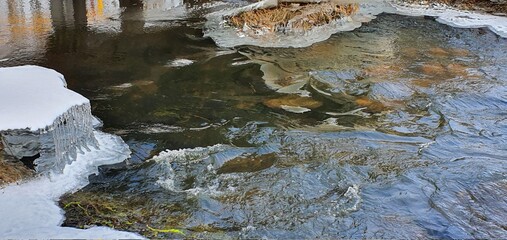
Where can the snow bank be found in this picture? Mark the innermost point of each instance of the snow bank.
(227, 36)
(39, 114)
(32, 97)
(454, 17)
(30, 210)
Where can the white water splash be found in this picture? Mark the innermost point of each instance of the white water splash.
(295, 109)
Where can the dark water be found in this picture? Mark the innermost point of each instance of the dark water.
(420, 153)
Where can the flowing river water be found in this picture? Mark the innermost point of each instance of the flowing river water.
(397, 129)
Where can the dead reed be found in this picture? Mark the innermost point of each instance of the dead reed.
(291, 16)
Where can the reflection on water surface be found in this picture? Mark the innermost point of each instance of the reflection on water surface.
(401, 135)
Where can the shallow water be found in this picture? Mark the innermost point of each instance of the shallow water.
(411, 145)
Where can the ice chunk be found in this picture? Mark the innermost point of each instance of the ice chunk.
(40, 115)
(31, 207)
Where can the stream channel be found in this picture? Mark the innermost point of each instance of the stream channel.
(397, 129)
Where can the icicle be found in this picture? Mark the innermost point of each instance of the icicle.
(60, 143)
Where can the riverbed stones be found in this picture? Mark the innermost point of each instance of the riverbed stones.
(433, 69)
(438, 52)
(457, 69)
(252, 163)
(371, 105)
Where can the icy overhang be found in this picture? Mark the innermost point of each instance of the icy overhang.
(32, 97)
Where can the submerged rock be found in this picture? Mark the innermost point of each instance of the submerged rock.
(390, 91)
(248, 164)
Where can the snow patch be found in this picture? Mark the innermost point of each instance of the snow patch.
(30, 209)
(32, 97)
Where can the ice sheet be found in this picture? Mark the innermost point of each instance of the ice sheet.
(455, 18)
(227, 36)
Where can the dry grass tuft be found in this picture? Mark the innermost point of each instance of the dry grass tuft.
(291, 16)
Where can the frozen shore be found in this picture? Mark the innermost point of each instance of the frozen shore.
(227, 36)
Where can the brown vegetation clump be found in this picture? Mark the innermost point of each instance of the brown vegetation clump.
(12, 171)
(292, 16)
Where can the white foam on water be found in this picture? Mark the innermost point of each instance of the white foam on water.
(187, 156)
(30, 210)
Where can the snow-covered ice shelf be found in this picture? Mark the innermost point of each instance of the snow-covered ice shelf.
(32, 97)
(39, 115)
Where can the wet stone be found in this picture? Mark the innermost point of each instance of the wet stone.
(371, 105)
(433, 69)
(21, 143)
(248, 164)
(293, 101)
